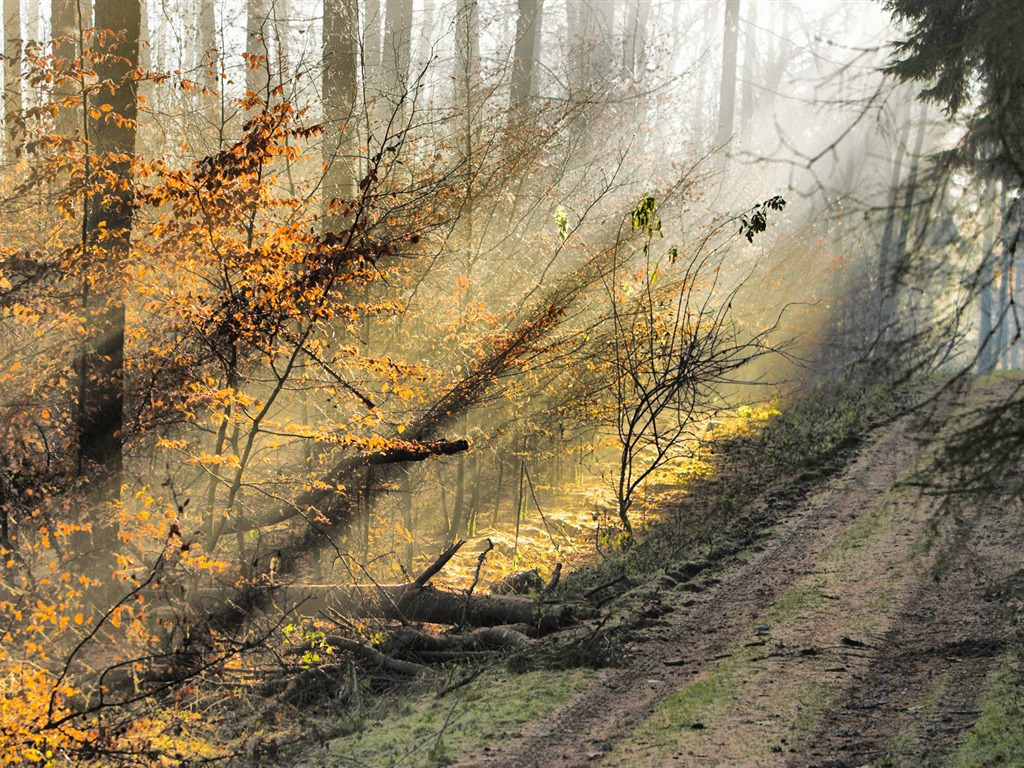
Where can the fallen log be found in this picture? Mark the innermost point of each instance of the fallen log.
(396, 602)
(408, 640)
(415, 601)
(365, 652)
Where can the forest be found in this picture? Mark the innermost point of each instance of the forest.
(511, 383)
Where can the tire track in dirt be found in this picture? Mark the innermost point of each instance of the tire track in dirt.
(918, 696)
(601, 716)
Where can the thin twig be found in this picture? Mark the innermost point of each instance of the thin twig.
(476, 580)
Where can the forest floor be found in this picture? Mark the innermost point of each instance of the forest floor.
(873, 626)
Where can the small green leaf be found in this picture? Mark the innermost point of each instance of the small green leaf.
(562, 222)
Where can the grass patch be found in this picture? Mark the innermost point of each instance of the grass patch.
(695, 704)
(864, 529)
(425, 732)
(997, 738)
(812, 702)
(797, 600)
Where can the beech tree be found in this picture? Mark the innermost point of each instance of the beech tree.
(340, 80)
(12, 76)
(528, 26)
(66, 28)
(107, 227)
(727, 90)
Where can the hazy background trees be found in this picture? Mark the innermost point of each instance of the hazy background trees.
(458, 162)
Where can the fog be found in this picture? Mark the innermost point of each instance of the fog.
(497, 270)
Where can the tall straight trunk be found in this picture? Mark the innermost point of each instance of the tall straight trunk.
(397, 50)
(372, 42)
(1015, 233)
(528, 25)
(282, 13)
(777, 54)
(598, 23)
(66, 31)
(705, 77)
(209, 72)
(12, 77)
(634, 39)
(257, 30)
(497, 491)
(467, 55)
(986, 361)
(33, 32)
(108, 227)
(31, 23)
(892, 212)
(405, 495)
(371, 53)
(727, 90)
(1005, 282)
(340, 66)
(467, 46)
(899, 251)
(371, 34)
(425, 28)
(148, 33)
(474, 501)
(459, 505)
(909, 195)
(749, 57)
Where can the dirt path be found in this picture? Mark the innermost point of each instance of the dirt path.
(860, 632)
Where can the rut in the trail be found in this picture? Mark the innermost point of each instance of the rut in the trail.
(917, 697)
(599, 726)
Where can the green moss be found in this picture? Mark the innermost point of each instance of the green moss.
(812, 701)
(697, 706)
(997, 738)
(799, 599)
(435, 732)
(864, 529)
(692, 707)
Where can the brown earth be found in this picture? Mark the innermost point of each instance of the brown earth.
(861, 634)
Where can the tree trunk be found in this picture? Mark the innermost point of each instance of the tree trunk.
(209, 73)
(108, 226)
(398, 602)
(426, 29)
(397, 48)
(31, 25)
(459, 504)
(66, 31)
(528, 25)
(885, 258)
(12, 78)
(340, 66)
(986, 343)
(749, 57)
(371, 60)
(1005, 276)
(634, 40)
(258, 59)
(727, 92)
(899, 252)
